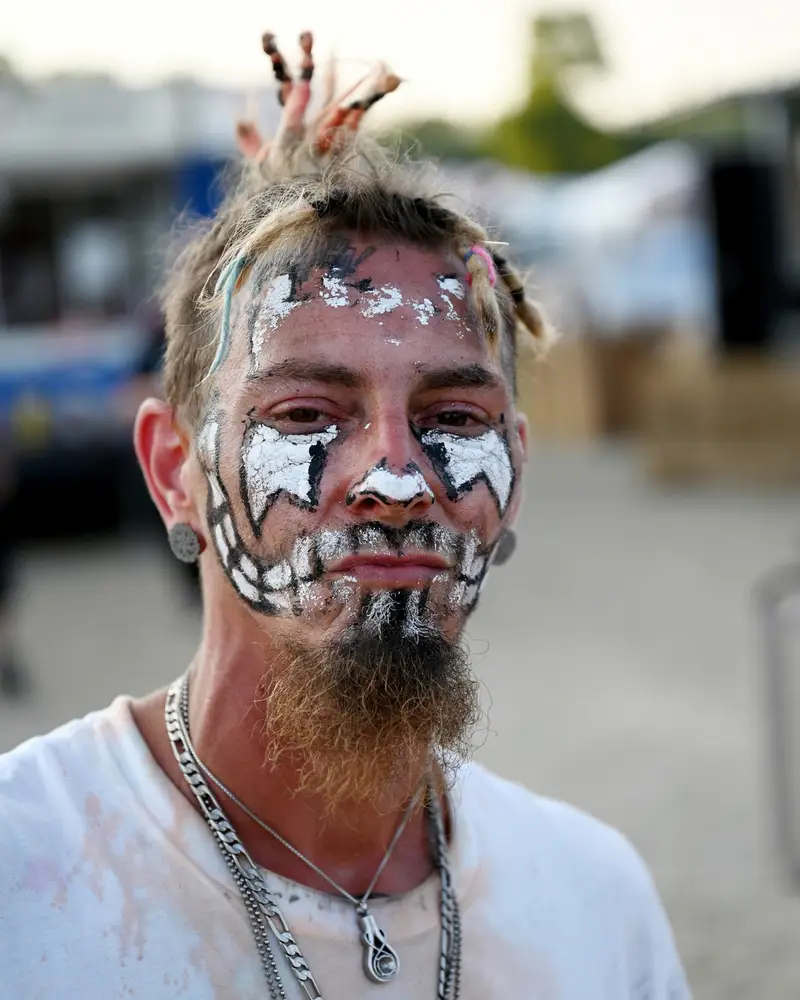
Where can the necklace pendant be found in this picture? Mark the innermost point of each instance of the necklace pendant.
(381, 963)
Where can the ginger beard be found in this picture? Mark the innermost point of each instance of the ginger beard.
(364, 710)
(373, 681)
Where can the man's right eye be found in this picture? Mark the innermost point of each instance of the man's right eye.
(302, 415)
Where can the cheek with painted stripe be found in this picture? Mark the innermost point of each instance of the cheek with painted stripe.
(462, 462)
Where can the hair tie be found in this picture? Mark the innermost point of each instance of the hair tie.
(486, 257)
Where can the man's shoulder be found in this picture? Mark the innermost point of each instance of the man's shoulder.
(45, 778)
(552, 834)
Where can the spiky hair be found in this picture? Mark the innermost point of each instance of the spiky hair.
(313, 180)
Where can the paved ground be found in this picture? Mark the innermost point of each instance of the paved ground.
(621, 654)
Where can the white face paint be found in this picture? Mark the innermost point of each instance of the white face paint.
(451, 288)
(276, 463)
(462, 461)
(334, 292)
(424, 310)
(450, 285)
(275, 307)
(297, 584)
(382, 300)
(391, 487)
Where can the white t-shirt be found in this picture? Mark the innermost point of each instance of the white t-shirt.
(111, 886)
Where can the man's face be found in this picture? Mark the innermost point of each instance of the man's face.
(361, 452)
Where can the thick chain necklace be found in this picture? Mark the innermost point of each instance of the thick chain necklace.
(381, 963)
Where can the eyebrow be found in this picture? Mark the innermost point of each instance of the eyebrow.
(471, 376)
(309, 371)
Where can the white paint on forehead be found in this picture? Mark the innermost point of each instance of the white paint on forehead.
(275, 307)
(275, 462)
(334, 292)
(450, 285)
(382, 300)
(469, 457)
(424, 310)
(401, 487)
(451, 313)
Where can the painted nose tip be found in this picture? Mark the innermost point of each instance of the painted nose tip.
(385, 487)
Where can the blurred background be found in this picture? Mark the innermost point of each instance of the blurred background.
(644, 163)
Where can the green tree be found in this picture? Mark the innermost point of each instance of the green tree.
(545, 134)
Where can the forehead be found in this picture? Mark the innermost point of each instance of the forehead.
(382, 309)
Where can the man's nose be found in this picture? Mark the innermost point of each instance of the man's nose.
(394, 494)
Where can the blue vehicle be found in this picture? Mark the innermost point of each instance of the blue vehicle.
(77, 262)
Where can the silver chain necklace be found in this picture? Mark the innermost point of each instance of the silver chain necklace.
(381, 963)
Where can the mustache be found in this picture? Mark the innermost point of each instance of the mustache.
(279, 584)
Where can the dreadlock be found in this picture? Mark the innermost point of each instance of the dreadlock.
(312, 180)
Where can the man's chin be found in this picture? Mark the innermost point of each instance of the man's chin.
(359, 714)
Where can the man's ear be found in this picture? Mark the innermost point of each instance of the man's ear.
(163, 453)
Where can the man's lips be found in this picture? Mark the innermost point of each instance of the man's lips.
(391, 571)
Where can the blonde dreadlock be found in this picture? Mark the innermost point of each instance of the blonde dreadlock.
(312, 180)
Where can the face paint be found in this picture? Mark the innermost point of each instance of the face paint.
(287, 291)
(275, 463)
(450, 285)
(450, 288)
(461, 462)
(382, 300)
(334, 292)
(276, 305)
(388, 487)
(296, 584)
(424, 310)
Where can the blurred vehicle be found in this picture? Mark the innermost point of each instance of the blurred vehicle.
(92, 177)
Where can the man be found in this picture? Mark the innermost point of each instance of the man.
(293, 816)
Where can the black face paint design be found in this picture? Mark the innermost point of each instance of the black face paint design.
(287, 586)
(275, 464)
(461, 462)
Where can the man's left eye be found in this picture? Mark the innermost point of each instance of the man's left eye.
(455, 418)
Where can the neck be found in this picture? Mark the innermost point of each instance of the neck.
(346, 838)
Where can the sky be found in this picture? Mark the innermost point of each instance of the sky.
(462, 61)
